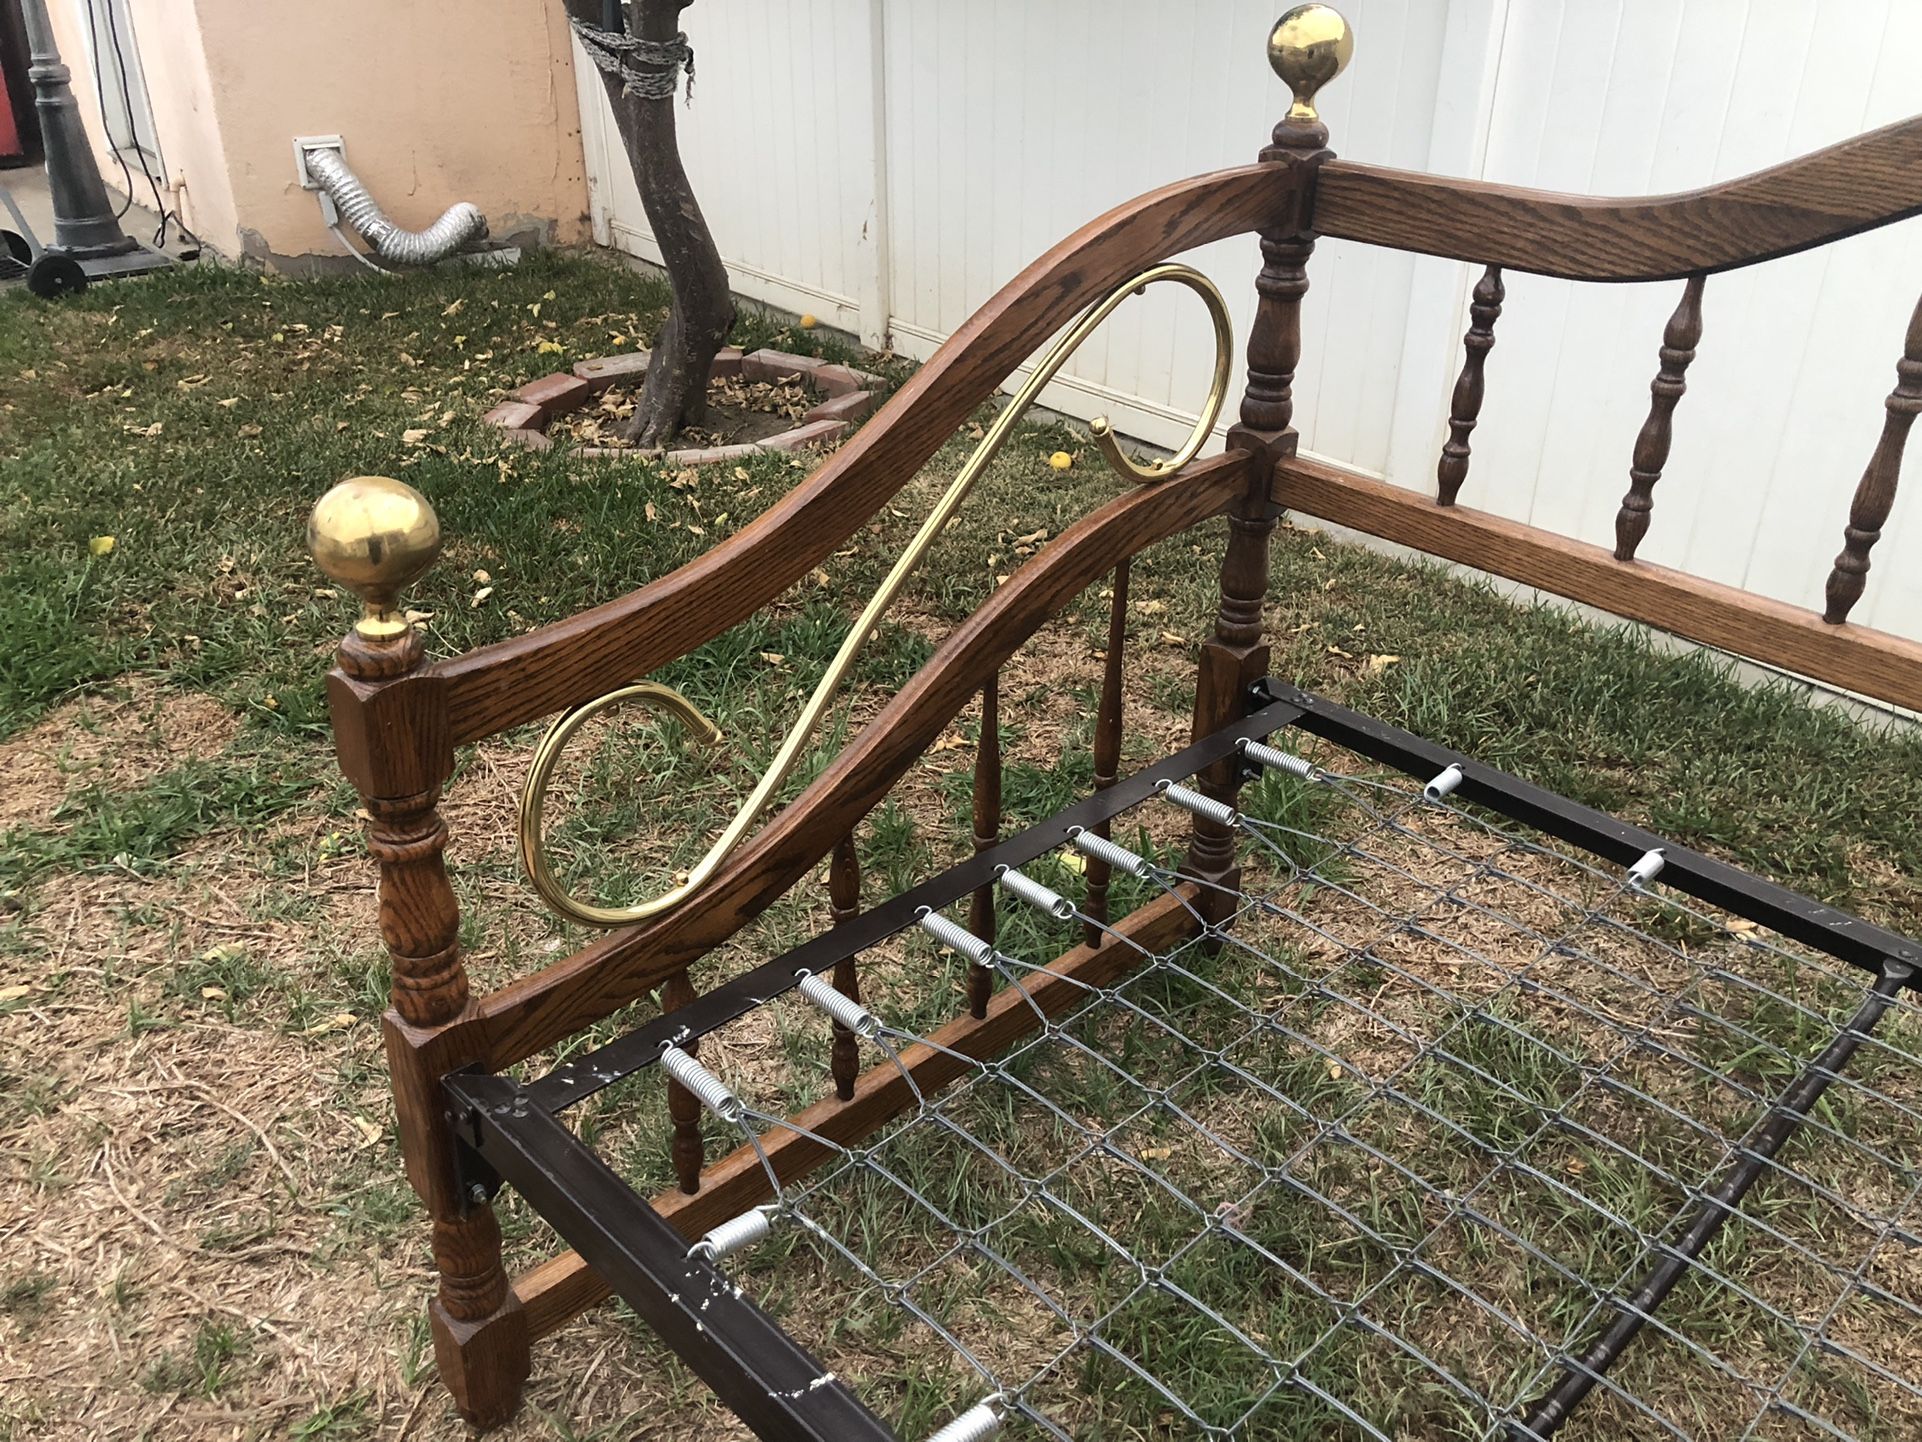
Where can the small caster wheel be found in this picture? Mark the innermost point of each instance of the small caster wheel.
(17, 247)
(53, 276)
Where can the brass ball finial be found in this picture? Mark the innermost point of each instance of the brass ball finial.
(374, 536)
(1308, 47)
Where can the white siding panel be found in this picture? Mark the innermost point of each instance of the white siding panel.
(1012, 124)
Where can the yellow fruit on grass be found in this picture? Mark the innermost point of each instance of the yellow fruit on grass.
(1060, 460)
(808, 322)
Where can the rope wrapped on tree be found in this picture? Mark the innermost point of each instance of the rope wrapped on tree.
(647, 68)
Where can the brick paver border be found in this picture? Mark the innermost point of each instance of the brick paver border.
(847, 397)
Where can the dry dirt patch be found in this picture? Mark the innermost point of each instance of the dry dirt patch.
(122, 742)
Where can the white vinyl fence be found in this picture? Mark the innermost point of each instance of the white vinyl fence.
(889, 164)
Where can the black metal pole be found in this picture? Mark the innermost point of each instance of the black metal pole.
(83, 220)
(1546, 1417)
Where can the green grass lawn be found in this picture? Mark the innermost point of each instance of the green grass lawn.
(187, 949)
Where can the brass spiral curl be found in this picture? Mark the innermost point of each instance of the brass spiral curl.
(533, 842)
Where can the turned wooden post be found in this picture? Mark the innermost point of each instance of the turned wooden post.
(1679, 340)
(987, 831)
(1465, 407)
(391, 732)
(1875, 492)
(1308, 47)
(686, 1147)
(1107, 751)
(844, 896)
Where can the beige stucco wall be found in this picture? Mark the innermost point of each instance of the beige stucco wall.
(437, 101)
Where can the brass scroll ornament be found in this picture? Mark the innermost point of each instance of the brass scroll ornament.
(533, 842)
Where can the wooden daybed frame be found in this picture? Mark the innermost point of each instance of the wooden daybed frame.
(399, 718)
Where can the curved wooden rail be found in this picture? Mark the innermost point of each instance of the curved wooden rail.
(541, 1009)
(570, 661)
(1872, 180)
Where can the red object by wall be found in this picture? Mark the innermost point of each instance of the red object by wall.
(9, 136)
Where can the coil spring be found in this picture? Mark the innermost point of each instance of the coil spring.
(1102, 849)
(709, 1088)
(1275, 760)
(850, 1013)
(956, 938)
(1195, 804)
(732, 1235)
(977, 1424)
(1647, 867)
(1027, 889)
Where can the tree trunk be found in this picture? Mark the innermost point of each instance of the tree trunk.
(675, 393)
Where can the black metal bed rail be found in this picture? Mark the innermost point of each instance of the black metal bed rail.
(575, 1080)
(1752, 1157)
(1825, 928)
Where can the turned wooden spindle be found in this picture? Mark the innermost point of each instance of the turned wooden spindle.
(1875, 492)
(374, 536)
(844, 897)
(1107, 750)
(987, 831)
(1684, 333)
(1485, 308)
(1274, 344)
(1308, 47)
(687, 1147)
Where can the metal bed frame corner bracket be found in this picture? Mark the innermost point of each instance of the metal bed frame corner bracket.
(770, 1382)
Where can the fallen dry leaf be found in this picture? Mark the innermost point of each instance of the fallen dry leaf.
(339, 1021)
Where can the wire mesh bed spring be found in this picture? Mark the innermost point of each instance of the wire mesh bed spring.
(1452, 1130)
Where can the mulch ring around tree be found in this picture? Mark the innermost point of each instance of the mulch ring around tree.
(764, 401)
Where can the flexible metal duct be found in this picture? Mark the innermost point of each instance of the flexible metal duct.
(460, 227)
